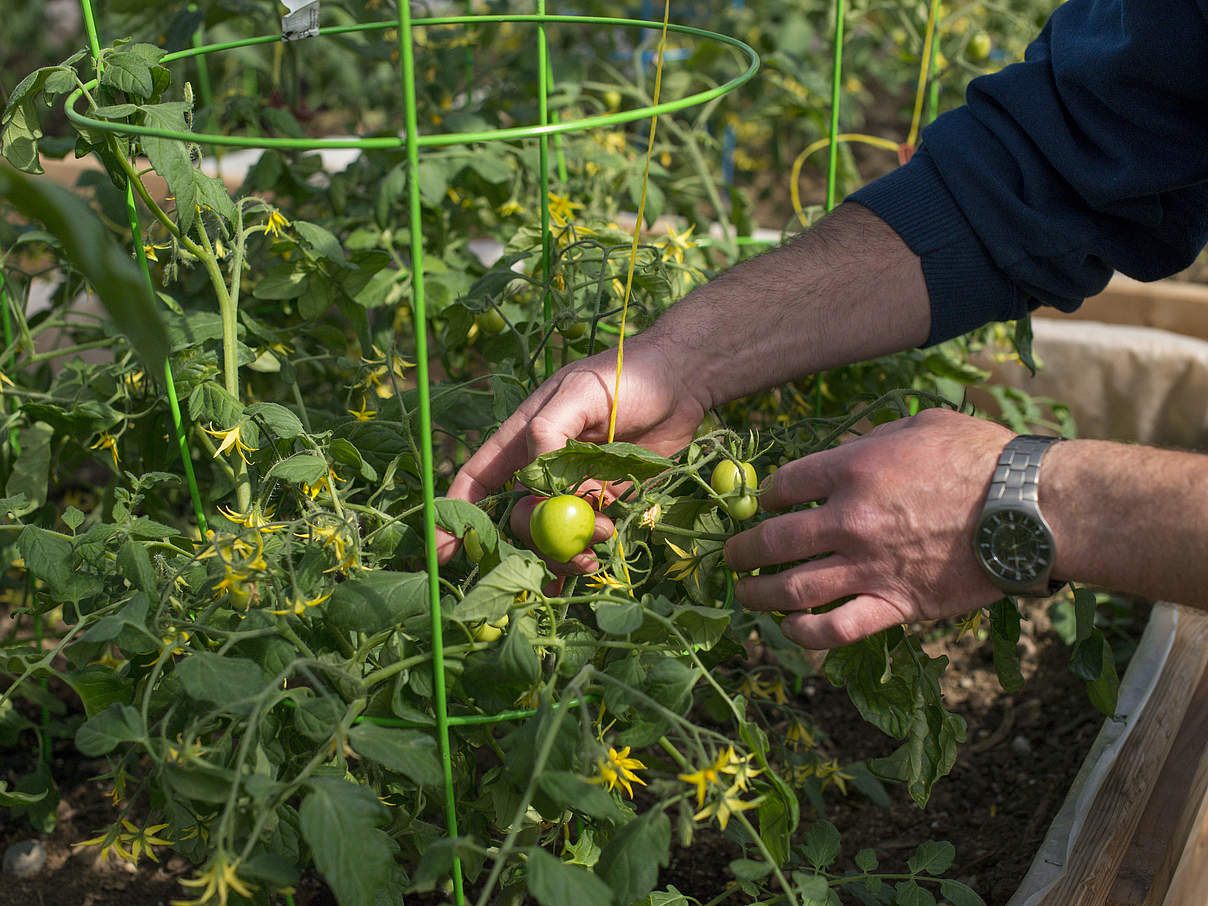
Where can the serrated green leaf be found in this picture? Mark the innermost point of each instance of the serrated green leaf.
(19, 142)
(908, 893)
(821, 845)
(934, 857)
(959, 894)
(30, 473)
(670, 683)
(553, 882)
(128, 72)
(629, 863)
(866, 860)
(411, 753)
(221, 680)
(301, 468)
(496, 592)
(561, 470)
(568, 790)
(339, 820)
(99, 686)
(376, 600)
(170, 157)
(104, 732)
(619, 619)
(321, 240)
(280, 421)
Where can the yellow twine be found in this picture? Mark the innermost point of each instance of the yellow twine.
(637, 229)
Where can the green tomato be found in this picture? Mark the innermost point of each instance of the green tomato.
(489, 632)
(612, 98)
(731, 479)
(474, 549)
(490, 321)
(725, 477)
(562, 526)
(742, 507)
(572, 330)
(978, 48)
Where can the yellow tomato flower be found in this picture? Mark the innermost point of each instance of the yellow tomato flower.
(687, 564)
(129, 844)
(276, 221)
(725, 805)
(216, 883)
(618, 769)
(562, 209)
(107, 442)
(298, 605)
(232, 438)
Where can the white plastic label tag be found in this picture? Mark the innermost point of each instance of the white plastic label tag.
(302, 20)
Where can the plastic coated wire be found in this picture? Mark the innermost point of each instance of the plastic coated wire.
(420, 319)
(440, 139)
(182, 442)
(833, 139)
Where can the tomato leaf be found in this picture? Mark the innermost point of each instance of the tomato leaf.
(933, 857)
(553, 882)
(821, 846)
(408, 752)
(630, 861)
(376, 600)
(496, 592)
(103, 732)
(340, 822)
(560, 471)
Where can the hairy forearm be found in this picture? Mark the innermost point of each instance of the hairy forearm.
(845, 291)
(1129, 518)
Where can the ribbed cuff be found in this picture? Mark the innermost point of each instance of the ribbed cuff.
(965, 287)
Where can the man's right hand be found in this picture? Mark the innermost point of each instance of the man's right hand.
(658, 410)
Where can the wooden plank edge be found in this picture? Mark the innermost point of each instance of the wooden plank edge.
(1050, 863)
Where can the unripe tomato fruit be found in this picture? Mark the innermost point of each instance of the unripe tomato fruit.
(978, 49)
(573, 330)
(742, 507)
(728, 479)
(725, 477)
(474, 548)
(612, 98)
(562, 526)
(489, 632)
(490, 321)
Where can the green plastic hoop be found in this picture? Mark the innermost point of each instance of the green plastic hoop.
(437, 139)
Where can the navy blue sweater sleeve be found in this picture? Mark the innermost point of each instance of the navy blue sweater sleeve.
(1088, 157)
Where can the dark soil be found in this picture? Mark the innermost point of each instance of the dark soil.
(1009, 780)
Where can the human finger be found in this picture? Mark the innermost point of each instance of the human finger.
(803, 480)
(801, 587)
(783, 539)
(851, 621)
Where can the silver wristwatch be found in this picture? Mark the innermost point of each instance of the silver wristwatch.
(1012, 541)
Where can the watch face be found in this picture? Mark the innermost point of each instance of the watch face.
(1014, 547)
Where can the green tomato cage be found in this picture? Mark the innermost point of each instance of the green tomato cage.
(413, 142)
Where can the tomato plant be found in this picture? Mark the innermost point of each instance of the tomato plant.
(733, 480)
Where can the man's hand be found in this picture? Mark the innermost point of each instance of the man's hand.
(658, 409)
(894, 528)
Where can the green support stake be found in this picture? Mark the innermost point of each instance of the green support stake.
(832, 164)
(420, 318)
